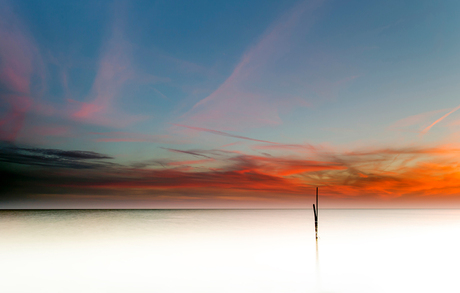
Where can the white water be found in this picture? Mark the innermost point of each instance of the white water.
(229, 251)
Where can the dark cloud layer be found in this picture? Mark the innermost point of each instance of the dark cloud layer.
(51, 157)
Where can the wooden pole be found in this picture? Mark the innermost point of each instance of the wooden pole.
(315, 211)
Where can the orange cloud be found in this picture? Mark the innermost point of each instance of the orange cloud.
(389, 173)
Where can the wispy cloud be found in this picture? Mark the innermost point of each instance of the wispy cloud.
(52, 157)
(193, 153)
(237, 103)
(413, 123)
(24, 78)
(440, 119)
(114, 71)
(301, 148)
(19, 58)
(217, 132)
(121, 136)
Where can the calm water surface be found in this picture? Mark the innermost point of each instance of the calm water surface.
(229, 251)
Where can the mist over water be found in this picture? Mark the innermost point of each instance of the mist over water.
(229, 251)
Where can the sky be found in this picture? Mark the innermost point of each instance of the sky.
(229, 104)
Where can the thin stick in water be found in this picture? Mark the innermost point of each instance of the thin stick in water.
(315, 211)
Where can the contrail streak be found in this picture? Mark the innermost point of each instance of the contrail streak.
(223, 133)
(440, 119)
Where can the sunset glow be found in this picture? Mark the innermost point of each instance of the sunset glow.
(202, 104)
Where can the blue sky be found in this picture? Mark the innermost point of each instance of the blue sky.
(159, 81)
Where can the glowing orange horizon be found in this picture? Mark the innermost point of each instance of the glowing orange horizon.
(387, 173)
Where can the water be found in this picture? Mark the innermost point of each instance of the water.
(229, 251)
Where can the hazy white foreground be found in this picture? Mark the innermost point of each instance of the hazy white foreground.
(229, 251)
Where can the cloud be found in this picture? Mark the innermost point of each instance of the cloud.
(215, 153)
(302, 148)
(440, 119)
(413, 122)
(243, 100)
(76, 155)
(19, 60)
(193, 153)
(52, 157)
(408, 172)
(27, 105)
(190, 162)
(114, 72)
(281, 166)
(120, 136)
(222, 133)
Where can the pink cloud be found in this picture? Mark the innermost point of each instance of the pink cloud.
(440, 119)
(413, 123)
(12, 123)
(114, 71)
(231, 144)
(87, 110)
(238, 104)
(21, 59)
(16, 79)
(17, 55)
